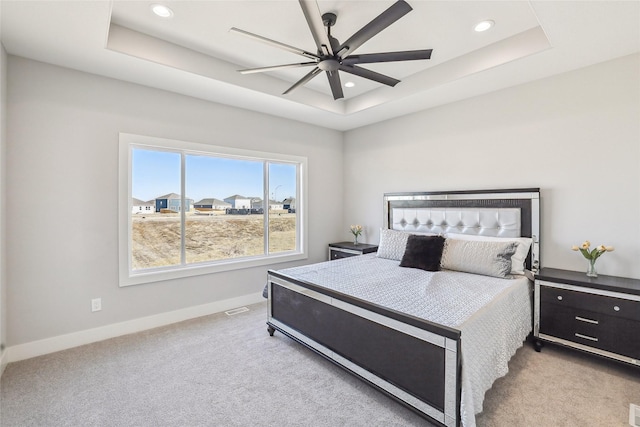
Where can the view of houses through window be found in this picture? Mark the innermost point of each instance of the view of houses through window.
(223, 214)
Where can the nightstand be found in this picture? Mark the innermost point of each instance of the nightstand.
(347, 249)
(598, 315)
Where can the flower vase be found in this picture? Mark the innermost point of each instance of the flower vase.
(591, 270)
(355, 240)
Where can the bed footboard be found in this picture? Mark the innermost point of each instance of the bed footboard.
(414, 361)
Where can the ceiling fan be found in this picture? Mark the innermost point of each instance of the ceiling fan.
(332, 56)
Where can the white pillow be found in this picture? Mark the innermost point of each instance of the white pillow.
(517, 260)
(478, 257)
(394, 242)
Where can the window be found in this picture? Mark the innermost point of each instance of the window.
(206, 208)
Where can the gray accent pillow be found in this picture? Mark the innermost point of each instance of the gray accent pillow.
(518, 260)
(478, 257)
(394, 242)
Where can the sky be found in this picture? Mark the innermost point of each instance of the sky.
(156, 173)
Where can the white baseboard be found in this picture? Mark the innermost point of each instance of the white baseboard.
(75, 339)
(4, 359)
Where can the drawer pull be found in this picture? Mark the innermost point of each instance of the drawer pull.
(582, 319)
(616, 308)
(586, 337)
(559, 297)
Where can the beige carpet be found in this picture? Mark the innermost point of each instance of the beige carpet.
(227, 371)
(562, 387)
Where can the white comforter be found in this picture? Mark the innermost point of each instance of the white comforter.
(494, 315)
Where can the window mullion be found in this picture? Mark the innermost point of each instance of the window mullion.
(299, 204)
(266, 205)
(183, 215)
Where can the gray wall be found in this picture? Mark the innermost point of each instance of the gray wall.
(62, 156)
(576, 136)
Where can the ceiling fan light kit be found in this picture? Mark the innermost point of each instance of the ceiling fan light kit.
(332, 56)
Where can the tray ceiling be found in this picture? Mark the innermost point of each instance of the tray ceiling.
(194, 53)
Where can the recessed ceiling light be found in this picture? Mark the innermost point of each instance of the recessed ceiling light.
(349, 84)
(484, 25)
(162, 11)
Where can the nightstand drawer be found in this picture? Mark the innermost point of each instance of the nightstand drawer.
(337, 254)
(597, 330)
(574, 325)
(616, 307)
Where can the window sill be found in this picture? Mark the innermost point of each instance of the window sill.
(201, 269)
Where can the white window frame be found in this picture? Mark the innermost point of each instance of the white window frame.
(127, 142)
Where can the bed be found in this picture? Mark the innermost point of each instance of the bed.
(434, 339)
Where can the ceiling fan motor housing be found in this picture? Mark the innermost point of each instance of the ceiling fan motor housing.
(329, 64)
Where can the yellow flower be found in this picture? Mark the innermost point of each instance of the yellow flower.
(356, 230)
(591, 254)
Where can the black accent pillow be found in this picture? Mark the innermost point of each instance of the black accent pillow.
(423, 252)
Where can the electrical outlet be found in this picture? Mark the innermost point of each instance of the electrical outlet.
(96, 304)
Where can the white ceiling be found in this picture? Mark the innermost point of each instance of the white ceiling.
(194, 53)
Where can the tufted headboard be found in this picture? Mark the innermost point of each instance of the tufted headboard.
(498, 213)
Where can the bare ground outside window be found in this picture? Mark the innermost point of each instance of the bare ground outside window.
(211, 237)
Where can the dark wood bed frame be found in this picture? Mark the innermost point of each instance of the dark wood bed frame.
(414, 361)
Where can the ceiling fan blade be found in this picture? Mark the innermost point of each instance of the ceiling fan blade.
(314, 20)
(382, 21)
(407, 55)
(303, 80)
(274, 43)
(368, 74)
(276, 67)
(336, 86)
